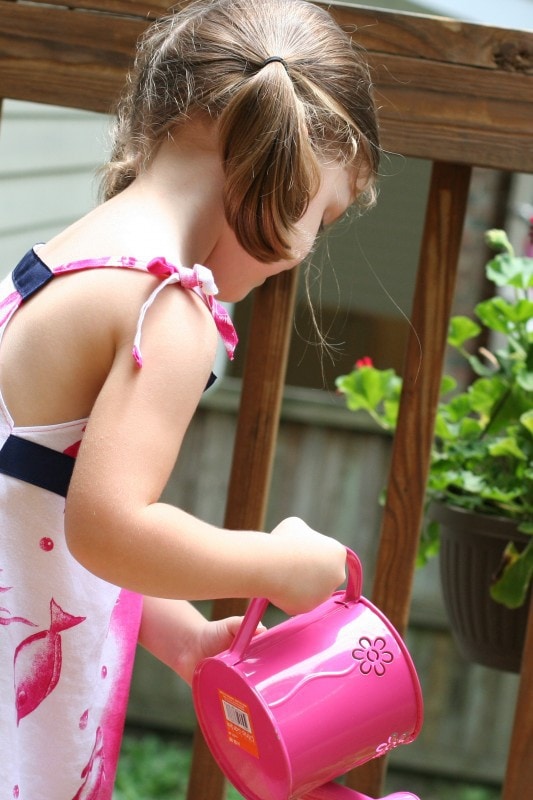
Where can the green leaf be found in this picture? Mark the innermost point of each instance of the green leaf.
(442, 430)
(527, 420)
(499, 315)
(429, 543)
(515, 575)
(461, 329)
(507, 270)
(529, 355)
(458, 407)
(447, 384)
(470, 428)
(525, 380)
(471, 483)
(390, 412)
(526, 527)
(484, 393)
(506, 446)
(367, 389)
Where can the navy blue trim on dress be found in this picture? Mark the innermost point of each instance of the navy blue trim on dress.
(19, 458)
(36, 464)
(30, 275)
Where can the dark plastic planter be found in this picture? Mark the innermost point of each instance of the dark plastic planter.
(472, 544)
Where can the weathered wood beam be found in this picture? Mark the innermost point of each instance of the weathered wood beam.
(458, 91)
(253, 456)
(519, 773)
(62, 57)
(402, 518)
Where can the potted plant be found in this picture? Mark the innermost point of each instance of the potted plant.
(480, 485)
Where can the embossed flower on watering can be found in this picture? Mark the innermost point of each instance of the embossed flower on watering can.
(372, 655)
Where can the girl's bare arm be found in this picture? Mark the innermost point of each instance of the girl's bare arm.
(116, 525)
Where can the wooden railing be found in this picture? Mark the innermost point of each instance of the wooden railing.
(457, 94)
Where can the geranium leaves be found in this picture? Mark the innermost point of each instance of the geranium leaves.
(511, 584)
(482, 455)
(508, 270)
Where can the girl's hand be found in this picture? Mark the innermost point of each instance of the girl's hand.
(213, 638)
(317, 567)
(180, 636)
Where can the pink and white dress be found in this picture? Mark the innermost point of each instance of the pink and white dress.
(67, 638)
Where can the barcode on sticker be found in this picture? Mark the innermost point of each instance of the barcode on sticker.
(237, 717)
(239, 725)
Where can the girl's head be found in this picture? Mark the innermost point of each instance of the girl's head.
(278, 121)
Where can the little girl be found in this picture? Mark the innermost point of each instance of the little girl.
(245, 128)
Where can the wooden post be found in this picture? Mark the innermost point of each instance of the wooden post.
(426, 346)
(519, 775)
(255, 442)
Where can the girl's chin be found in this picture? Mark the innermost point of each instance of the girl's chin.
(236, 295)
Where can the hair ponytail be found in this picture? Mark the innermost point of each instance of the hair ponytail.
(277, 121)
(270, 166)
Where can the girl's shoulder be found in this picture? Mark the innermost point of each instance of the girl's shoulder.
(69, 334)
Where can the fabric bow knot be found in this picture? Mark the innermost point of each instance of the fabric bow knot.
(199, 279)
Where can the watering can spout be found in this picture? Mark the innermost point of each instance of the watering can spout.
(334, 791)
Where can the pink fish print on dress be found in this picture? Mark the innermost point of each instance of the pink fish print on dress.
(93, 773)
(8, 620)
(38, 662)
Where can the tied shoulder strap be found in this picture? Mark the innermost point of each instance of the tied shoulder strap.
(50, 469)
(199, 279)
(31, 274)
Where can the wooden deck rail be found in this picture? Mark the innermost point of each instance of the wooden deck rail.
(457, 94)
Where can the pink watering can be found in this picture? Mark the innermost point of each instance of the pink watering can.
(291, 709)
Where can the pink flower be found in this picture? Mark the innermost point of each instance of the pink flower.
(366, 361)
(372, 655)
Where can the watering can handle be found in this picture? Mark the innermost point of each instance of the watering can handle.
(258, 606)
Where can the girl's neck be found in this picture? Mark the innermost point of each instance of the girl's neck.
(180, 195)
(173, 209)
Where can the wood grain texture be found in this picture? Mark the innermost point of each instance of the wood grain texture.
(446, 209)
(62, 57)
(146, 9)
(265, 367)
(253, 457)
(205, 778)
(457, 89)
(434, 291)
(519, 775)
(439, 39)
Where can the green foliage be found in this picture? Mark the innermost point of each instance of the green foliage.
(154, 767)
(150, 767)
(482, 455)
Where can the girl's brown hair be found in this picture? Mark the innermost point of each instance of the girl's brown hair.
(277, 121)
